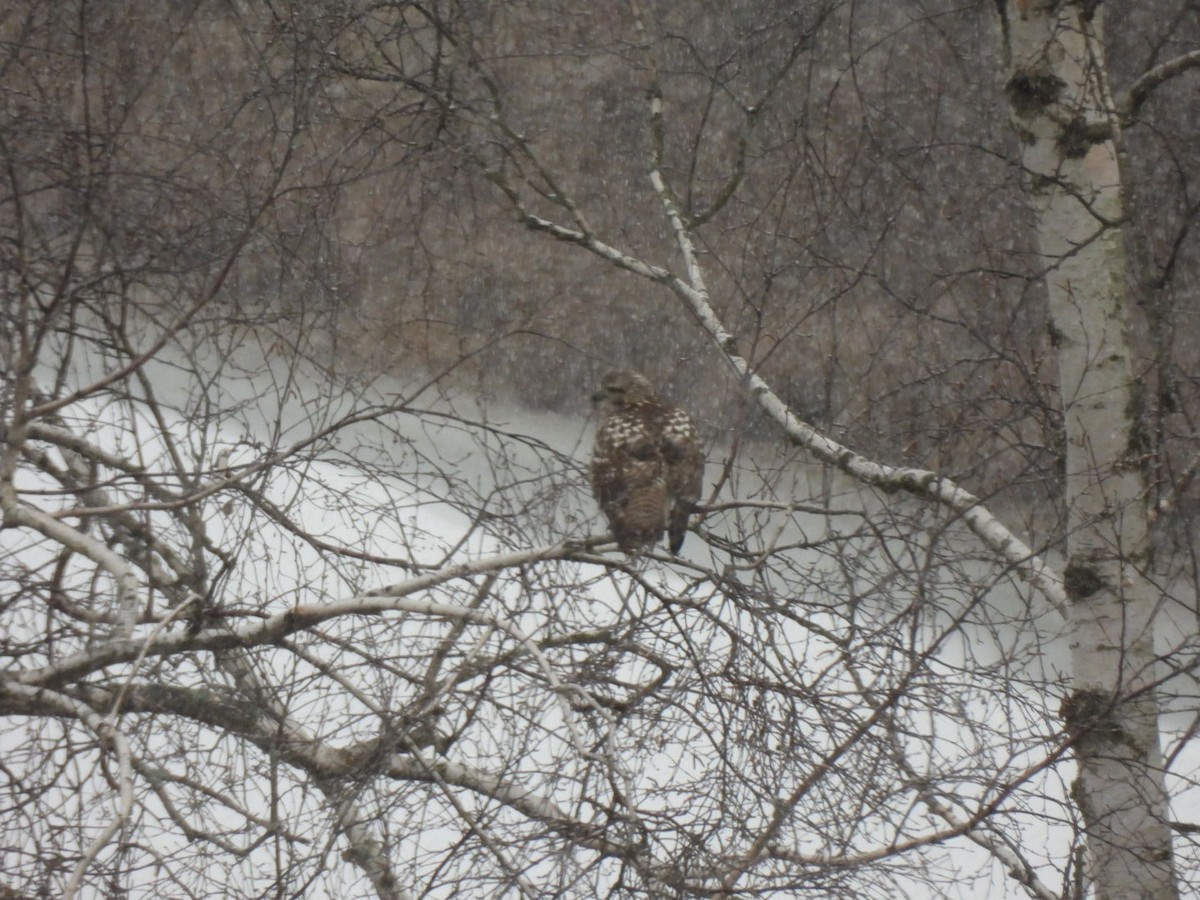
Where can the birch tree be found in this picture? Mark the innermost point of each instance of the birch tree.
(1069, 126)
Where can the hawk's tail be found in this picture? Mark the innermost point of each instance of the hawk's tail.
(677, 524)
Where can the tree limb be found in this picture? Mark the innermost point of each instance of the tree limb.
(1139, 92)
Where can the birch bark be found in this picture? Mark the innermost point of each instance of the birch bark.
(1068, 129)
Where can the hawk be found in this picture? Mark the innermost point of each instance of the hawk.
(647, 465)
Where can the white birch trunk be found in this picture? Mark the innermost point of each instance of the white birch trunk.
(1067, 126)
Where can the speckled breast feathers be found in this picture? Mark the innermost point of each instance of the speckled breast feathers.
(647, 465)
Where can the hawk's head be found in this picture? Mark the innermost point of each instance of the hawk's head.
(623, 390)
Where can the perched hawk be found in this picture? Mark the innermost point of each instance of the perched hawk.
(647, 465)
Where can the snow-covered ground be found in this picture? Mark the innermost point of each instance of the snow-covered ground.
(373, 481)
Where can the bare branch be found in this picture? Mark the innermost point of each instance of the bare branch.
(125, 582)
(1139, 92)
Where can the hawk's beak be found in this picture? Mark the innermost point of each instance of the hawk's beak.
(597, 397)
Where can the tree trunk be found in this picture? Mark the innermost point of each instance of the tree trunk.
(1066, 122)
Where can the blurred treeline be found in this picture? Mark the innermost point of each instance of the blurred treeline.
(874, 257)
